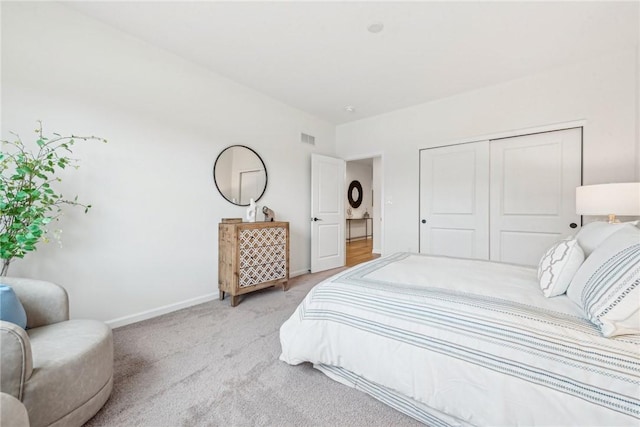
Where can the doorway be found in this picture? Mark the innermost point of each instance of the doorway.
(363, 213)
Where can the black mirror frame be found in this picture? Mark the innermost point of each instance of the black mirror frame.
(266, 175)
(355, 185)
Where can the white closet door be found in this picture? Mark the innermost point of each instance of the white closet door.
(533, 182)
(454, 200)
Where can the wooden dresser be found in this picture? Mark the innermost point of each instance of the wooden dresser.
(252, 256)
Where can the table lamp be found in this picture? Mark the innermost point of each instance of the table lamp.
(609, 199)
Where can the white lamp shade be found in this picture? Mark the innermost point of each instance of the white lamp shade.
(606, 199)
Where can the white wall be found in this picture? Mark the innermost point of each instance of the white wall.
(151, 239)
(602, 92)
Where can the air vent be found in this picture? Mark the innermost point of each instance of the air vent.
(307, 139)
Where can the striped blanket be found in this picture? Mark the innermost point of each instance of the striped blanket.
(465, 342)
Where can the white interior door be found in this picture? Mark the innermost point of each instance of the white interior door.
(533, 182)
(454, 200)
(327, 213)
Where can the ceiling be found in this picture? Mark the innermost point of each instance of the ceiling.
(319, 56)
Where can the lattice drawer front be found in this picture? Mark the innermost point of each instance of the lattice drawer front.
(263, 237)
(262, 255)
(262, 273)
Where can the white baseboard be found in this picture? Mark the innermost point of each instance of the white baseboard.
(148, 314)
(376, 251)
(298, 273)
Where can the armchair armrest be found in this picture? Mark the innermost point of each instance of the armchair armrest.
(13, 412)
(16, 360)
(44, 302)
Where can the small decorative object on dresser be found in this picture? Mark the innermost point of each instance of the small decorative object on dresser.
(269, 215)
(251, 211)
(252, 256)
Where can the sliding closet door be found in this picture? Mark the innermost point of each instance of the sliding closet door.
(454, 200)
(532, 193)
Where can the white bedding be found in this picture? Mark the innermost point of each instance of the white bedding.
(459, 342)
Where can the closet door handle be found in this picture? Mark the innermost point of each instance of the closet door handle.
(573, 225)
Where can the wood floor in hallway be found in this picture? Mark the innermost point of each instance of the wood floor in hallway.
(359, 251)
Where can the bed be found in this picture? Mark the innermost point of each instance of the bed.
(466, 342)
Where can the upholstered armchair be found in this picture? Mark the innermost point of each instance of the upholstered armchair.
(60, 369)
(12, 412)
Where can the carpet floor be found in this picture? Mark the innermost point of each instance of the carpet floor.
(214, 365)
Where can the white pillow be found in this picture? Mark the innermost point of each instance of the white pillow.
(558, 266)
(607, 285)
(594, 233)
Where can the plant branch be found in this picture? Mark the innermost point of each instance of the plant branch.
(28, 198)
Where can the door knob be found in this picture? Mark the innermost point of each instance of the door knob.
(424, 221)
(315, 219)
(573, 225)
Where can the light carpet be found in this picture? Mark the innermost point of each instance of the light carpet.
(217, 365)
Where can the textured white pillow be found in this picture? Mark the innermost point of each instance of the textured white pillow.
(607, 285)
(558, 266)
(594, 233)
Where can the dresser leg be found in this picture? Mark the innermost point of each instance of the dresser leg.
(285, 286)
(234, 300)
(221, 295)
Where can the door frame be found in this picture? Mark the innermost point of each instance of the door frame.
(516, 132)
(582, 124)
(381, 196)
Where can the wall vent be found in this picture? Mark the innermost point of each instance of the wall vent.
(307, 139)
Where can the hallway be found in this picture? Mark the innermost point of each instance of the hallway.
(359, 251)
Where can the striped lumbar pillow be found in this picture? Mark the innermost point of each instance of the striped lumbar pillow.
(558, 266)
(607, 285)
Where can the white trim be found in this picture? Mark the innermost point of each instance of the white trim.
(148, 314)
(363, 156)
(155, 312)
(296, 273)
(512, 133)
(637, 147)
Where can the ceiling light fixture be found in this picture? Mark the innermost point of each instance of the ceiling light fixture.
(376, 27)
(350, 108)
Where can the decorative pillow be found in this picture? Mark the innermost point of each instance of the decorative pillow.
(607, 285)
(594, 233)
(11, 309)
(558, 266)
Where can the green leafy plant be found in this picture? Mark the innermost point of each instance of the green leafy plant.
(28, 199)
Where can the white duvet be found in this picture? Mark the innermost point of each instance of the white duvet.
(465, 342)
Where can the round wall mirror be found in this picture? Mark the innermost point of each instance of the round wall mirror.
(240, 175)
(354, 194)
